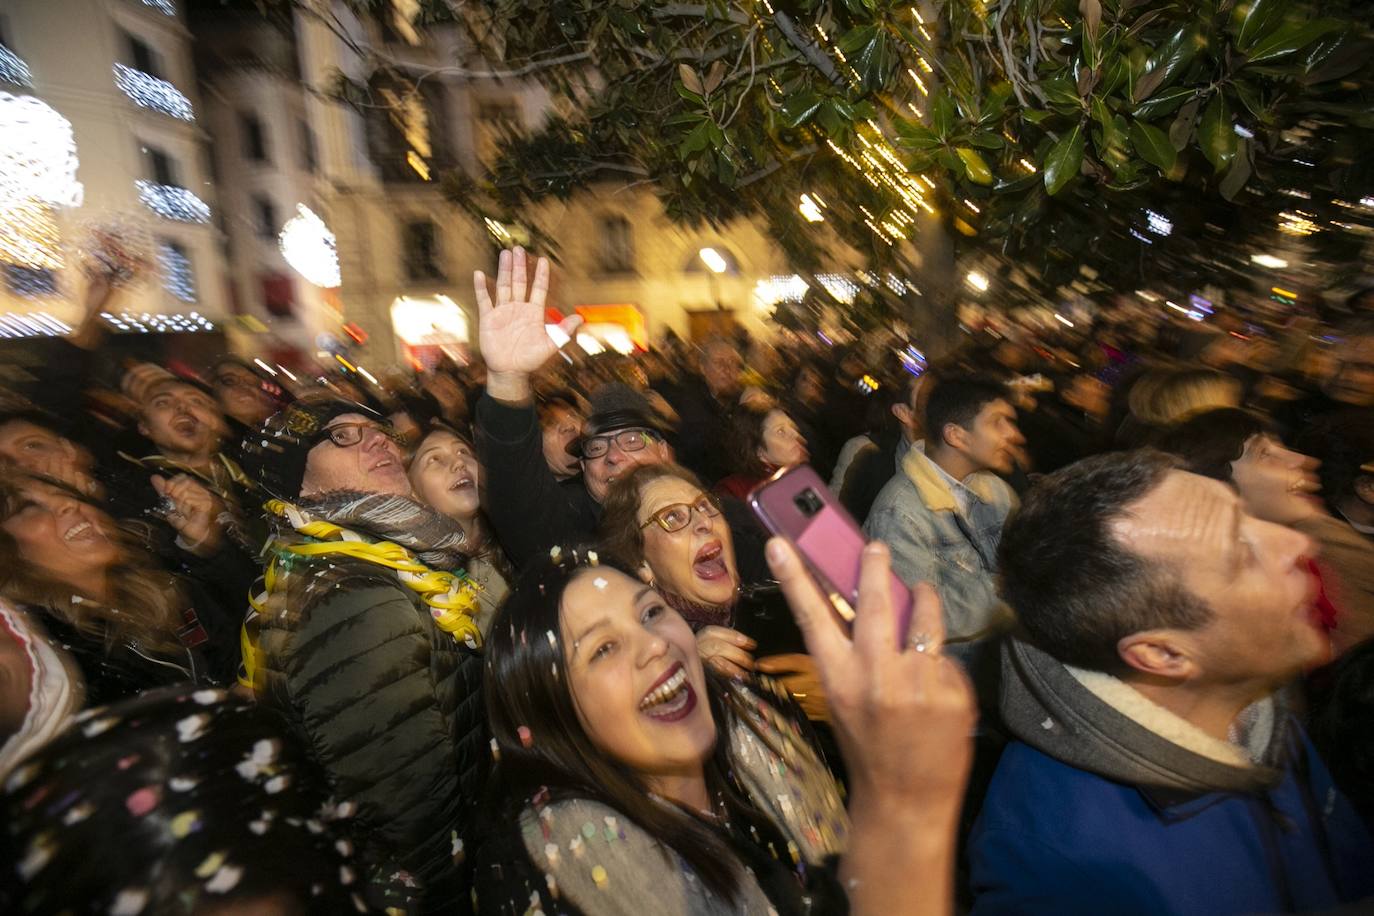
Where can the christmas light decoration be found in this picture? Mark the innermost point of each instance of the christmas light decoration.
(148, 322)
(37, 174)
(32, 324)
(1158, 224)
(310, 248)
(171, 202)
(148, 91)
(13, 70)
(177, 276)
(839, 286)
(162, 6)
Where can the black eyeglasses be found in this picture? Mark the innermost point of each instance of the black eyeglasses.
(347, 435)
(628, 440)
(679, 515)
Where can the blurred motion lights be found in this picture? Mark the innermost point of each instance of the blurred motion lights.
(810, 209)
(977, 281)
(147, 91)
(1159, 225)
(310, 248)
(37, 173)
(1268, 260)
(713, 261)
(13, 70)
(171, 202)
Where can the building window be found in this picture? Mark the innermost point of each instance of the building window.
(178, 277)
(278, 294)
(495, 121)
(29, 282)
(141, 56)
(309, 158)
(617, 245)
(254, 137)
(407, 136)
(265, 217)
(422, 251)
(160, 167)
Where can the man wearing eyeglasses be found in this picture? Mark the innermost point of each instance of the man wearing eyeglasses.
(357, 633)
(530, 510)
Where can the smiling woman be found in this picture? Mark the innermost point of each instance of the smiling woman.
(611, 733)
(129, 625)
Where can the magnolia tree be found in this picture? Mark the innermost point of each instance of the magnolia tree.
(1052, 134)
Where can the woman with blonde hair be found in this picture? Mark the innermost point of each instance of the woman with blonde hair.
(1165, 397)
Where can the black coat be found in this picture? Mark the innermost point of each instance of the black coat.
(531, 511)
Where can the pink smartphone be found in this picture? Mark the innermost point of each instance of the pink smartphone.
(796, 504)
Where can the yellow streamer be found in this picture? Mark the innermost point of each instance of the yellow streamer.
(452, 599)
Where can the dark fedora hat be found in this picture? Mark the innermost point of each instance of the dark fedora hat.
(616, 406)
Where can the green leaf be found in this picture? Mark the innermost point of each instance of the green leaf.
(1153, 145)
(1164, 103)
(1215, 134)
(1251, 20)
(697, 140)
(1290, 37)
(798, 109)
(1168, 61)
(1181, 130)
(871, 52)
(995, 101)
(974, 167)
(915, 135)
(986, 139)
(829, 117)
(1061, 90)
(942, 114)
(1064, 159)
(1238, 173)
(1034, 115)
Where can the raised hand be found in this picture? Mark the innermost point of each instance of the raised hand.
(193, 511)
(513, 340)
(904, 716)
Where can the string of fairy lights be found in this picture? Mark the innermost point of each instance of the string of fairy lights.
(873, 158)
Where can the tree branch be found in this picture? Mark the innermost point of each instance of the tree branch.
(813, 54)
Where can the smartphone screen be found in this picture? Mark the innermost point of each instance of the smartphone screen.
(796, 504)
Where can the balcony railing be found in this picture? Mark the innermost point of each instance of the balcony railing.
(148, 91)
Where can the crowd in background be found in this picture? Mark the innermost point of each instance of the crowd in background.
(504, 634)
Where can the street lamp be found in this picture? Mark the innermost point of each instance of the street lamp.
(977, 281)
(715, 266)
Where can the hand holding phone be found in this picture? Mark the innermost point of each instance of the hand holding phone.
(796, 504)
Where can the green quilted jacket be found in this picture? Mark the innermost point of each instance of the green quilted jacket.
(392, 708)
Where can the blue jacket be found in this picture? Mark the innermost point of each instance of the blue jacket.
(1056, 838)
(918, 517)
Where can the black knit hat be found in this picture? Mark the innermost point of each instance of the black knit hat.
(274, 456)
(617, 406)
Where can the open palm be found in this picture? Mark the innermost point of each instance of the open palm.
(513, 338)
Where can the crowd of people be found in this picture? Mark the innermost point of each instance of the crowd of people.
(504, 637)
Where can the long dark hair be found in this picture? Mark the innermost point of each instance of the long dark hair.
(527, 688)
(1209, 442)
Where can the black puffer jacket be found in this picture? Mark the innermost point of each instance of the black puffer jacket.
(392, 708)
